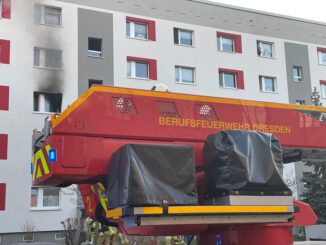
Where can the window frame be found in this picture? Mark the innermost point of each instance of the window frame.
(177, 40)
(259, 49)
(300, 77)
(220, 48)
(151, 28)
(40, 199)
(262, 85)
(152, 67)
(37, 94)
(42, 52)
(323, 89)
(59, 239)
(42, 8)
(132, 30)
(133, 70)
(180, 68)
(89, 51)
(223, 80)
(24, 239)
(321, 51)
(191, 39)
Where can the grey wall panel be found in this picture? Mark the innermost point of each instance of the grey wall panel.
(297, 55)
(218, 16)
(98, 25)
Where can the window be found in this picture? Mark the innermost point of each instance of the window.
(29, 237)
(95, 47)
(92, 82)
(184, 74)
(48, 197)
(265, 49)
(3, 146)
(138, 69)
(4, 98)
(47, 102)
(5, 9)
(322, 56)
(47, 58)
(297, 73)
(323, 88)
(140, 28)
(2, 196)
(228, 42)
(183, 37)
(141, 68)
(231, 78)
(59, 236)
(4, 51)
(300, 102)
(225, 44)
(136, 30)
(228, 80)
(267, 84)
(48, 15)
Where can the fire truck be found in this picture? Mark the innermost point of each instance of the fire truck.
(77, 147)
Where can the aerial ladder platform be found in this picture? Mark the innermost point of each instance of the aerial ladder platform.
(76, 146)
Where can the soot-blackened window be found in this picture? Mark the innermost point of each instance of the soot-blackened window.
(47, 102)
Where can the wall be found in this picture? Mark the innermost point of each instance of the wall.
(20, 120)
(98, 25)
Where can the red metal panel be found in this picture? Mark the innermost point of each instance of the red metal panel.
(3, 146)
(5, 51)
(4, 98)
(2, 196)
(6, 9)
(150, 24)
(152, 65)
(89, 199)
(237, 40)
(306, 216)
(89, 159)
(323, 82)
(105, 117)
(73, 149)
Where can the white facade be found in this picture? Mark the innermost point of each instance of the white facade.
(19, 122)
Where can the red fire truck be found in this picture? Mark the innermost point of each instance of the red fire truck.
(76, 146)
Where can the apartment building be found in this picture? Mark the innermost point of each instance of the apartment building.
(51, 51)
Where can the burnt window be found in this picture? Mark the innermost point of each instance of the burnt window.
(47, 102)
(92, 82)
(95, 47)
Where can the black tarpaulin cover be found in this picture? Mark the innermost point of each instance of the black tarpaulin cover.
(142, 175)
(248, 162)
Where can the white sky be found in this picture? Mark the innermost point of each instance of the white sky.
(312, 9)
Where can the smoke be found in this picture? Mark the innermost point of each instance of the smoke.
(48, 37)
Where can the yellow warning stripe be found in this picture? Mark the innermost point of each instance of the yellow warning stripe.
(39, 161)
(202, 210)
(227, 209)
(166, 95)
(114, 213)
